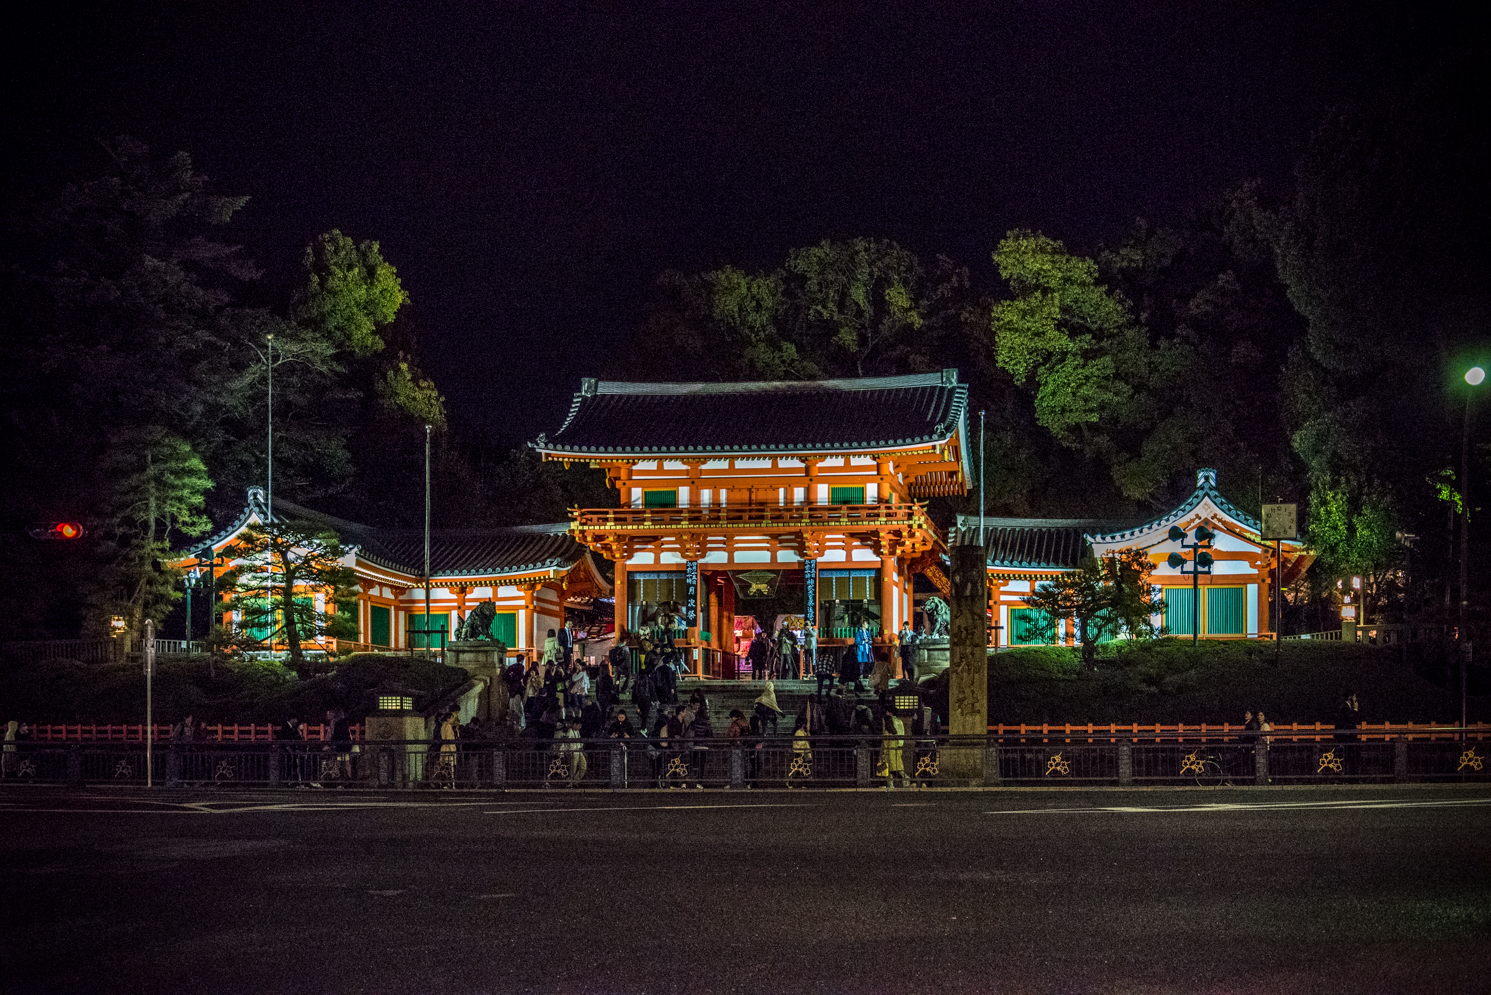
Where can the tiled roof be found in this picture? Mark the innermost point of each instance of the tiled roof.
(734, 419)
(481, 553)
(453, 552)
(1206, 487)
(1039, 543)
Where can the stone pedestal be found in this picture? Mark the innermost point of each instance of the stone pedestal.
(484, 659)
(394, 744)
(968, 662)
(931, 656)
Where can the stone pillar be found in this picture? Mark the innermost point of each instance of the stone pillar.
(968, 660)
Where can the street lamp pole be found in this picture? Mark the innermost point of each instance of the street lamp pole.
(427, 626)
(1473, 377)
(269, 476)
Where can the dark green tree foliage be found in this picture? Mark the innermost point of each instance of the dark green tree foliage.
(290, 564)
(1106, 597)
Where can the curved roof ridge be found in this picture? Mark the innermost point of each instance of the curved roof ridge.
(938, 379)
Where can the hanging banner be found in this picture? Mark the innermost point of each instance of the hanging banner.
(691, 600)
(810, 575)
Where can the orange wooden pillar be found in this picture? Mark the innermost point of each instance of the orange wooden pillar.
(619, 621)
(887, 599)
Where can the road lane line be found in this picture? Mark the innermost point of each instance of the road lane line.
(1365, 803)
(637, 808)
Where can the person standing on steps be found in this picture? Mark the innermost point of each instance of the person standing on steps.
(786, 663)
(757, 654)
(643, 695)
(907, 646)
(767, 709)
(862, 644)
(810, 650)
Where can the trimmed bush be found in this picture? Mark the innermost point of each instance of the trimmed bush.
(1172, 680)
(57, 691)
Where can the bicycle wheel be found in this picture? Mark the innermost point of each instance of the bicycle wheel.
(1210, 775)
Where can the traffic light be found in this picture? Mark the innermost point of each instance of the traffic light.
(57, 530)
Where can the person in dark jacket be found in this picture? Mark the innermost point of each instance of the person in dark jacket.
(642, 695)
(759, 650)
(621, 727)
(341, 745)
(591, 719)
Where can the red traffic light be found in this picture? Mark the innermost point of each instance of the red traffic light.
(57, 530)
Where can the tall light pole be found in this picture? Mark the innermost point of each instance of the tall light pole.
(1473, 376)
(427, 626)
(981, 478)
(1201, 562)
(269, 449)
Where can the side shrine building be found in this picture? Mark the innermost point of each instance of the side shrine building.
(729, 488)
(1234, 600)
(532, 574)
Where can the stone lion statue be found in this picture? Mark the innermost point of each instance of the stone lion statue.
(938, 616)
(478, 624)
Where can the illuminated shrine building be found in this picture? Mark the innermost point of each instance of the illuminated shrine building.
(1233, 601)
(534, 575)
(822, 480)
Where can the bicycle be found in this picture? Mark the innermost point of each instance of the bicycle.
(1208, 770)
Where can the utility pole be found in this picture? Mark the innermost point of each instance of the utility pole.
(981, 478)
(269, 478)
(149, 697)
(1200, 561)
(1473, 376)
(427, 626)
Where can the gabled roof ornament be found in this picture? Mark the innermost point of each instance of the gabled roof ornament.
(1206, 478)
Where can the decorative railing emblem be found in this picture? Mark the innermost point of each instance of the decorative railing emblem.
(1192, 763)
(123, 769)
(927, 765)
(1470, 758)
(1056, 765)
(1329, 762)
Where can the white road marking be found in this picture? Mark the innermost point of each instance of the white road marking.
(636, 808)
(505, 894)
(1364, 803)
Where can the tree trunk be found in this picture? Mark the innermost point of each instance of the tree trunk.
(287, 612)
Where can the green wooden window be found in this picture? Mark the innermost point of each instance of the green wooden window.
(660, 499)
(1030, 626)
(305, 618)
(846, 495)
(379, 628)
(257, 620)
(1226, 611)
(436, 630)
(505, 628)
(1180, 607)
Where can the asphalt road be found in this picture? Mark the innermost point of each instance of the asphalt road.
(1337, 890)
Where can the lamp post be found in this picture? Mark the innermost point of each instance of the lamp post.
(1473, 376)
(1200, 561)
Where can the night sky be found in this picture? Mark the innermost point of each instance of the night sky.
(530, 168)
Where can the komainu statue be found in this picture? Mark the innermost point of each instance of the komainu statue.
(938, 617)
(478, 624)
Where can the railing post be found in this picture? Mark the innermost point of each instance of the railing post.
(1400, 758)
(993, 776)
(499, 769)
(1125, 763)
(862, 765)
(75, 766)
(1260, 764)
(737, 768)
(618, 768)
(275, 752)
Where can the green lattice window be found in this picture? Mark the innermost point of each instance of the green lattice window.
(846, 495)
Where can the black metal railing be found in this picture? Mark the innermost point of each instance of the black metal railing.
(772, 762)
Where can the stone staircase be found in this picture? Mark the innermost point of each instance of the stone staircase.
(725, 695)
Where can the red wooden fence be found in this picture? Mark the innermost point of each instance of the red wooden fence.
(1069, 732)
(205, 733)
